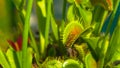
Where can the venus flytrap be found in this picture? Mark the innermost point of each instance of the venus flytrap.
(81, 36)
(70, 36)
(71, 63)
(50, 63)
(82, 52)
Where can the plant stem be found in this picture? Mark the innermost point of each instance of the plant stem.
(47, 26)
(25, 34)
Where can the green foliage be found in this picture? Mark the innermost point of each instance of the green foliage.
(70, 63)
(81, 52)
(82, 45)
(72, 32)
(114, 42)
(90, 61)
(53, 64)
(4, 62)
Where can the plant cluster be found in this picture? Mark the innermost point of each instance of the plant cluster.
(75, 41)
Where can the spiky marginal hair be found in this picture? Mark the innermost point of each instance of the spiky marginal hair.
(80, 49)
(71, 33)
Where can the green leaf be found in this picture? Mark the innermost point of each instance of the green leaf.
(106, 4)
(99, 17)
(70, 13)
(19, 4)
(81, 1)
(86, 15)
(114, 43)
(90, 61)
(42, 6)
(104, 43)
(54, 27)
(70, 1)
(29, 59)
(53, 64)
(70, 63)
(13, 58)
(3, 60)
(41, 24)
(92, 45)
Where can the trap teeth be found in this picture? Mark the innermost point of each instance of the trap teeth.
(71, 33)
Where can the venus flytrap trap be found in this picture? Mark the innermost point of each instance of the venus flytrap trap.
(70, 63)
(82, 51)
(71, 33)
(50, 63)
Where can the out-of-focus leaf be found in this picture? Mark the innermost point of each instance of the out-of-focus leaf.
(54, 27)
(115, 61)
(70, 1)
(106, 4)
(53, 64)
(3, 42)
(115, 6)
(51, 51)
(114, 43)
(70, 13)
(3, 60)
(90, 61)
(70, 63)
(42, 6)
(29, 59)
(12, 58)
(103, 45)
(81, 1)
(99, 17)
(86, 15)
(92, 45)
(18, 4)
(6, 28)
